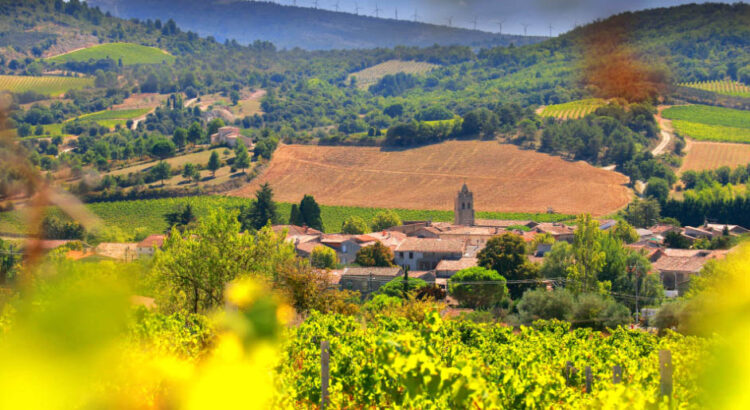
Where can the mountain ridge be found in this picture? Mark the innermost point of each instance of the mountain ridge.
(308, 28)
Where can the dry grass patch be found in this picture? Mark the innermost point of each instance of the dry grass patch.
(702, 155)
(503, 177)
(371, 75)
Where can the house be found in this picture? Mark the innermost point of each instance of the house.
(694, 233)
(390, 239)
(504, 223)
(718, 229)
(304, 238)
(559, 231)
(677, 266)
(147, 247)
(230, 136)
(367, 279)
(607, 224)
(448, 267)
(119, 251)
(425, 253)
(347, 246)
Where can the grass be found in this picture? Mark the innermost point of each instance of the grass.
(129, 53)
(149, 214)
(707, 123)
(372, 75)
(724, 87)
(107, 118)
(573, 109)
(53, 86)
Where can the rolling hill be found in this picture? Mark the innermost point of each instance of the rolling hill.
(128, 53)
(308, 28)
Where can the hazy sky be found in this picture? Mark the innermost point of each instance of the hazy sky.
(538, 14)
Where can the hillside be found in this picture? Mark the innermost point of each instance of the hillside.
(127, 53)
(308, 28)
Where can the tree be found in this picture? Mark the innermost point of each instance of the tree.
(235, 97)
(54, 227)
(179, 137)
(542, 304)
(395, 287)
(214, 163)
(294, 216)
(323, 257)
(506, 254)
(162, 149)
(261, 212)
(375, 255)
(658, 188)
(181, 218)
(9, 259)
(241, 159)
(195, 267)
(557, 260)
(643, 213)
(674, 239)
(214, 125)
(189, 171)
(161, 171)
(195, 133)
(489, 293)
(354, 225)
(624, 232)
(598, 312)
(309, 212)
(384, 220)
(587, 255)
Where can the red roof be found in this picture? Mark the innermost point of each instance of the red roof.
(151, 241)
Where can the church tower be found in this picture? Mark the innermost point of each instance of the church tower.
(464, 208)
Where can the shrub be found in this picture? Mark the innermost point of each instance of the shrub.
(479, 296)
(542, 304)
(323, 257)
(395, 287)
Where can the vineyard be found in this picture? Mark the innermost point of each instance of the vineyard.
(371, 75)
(110, 118)
(148, 215)
(399, 363)
(130, 54)
(724, 87)
(51, 85)
(573, 109)
(708, 123)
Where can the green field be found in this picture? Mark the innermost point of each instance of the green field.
(707, 123)
(107, 118)
(572, 109)
(724, 87)
(372, 75)
(149, 214)
(129, 53)
(49, 85)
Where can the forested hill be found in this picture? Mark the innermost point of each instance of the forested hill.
(308, 28)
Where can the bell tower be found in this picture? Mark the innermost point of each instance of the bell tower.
(464, 207)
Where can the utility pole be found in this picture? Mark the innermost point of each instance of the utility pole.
(406, 282)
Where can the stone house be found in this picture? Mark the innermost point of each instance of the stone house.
(677, 266)
(230, 136)
(447, 267)
(424, 254)
(367, 280)
(147, 247)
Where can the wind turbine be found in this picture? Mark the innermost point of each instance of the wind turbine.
(396, 13)
(450, 21)
(475, 22)
(377, 11)
(416, 16)
(315, 4)
(356, 9)
(550, 30)
(500, 26)
(336, 7)
(525, 27)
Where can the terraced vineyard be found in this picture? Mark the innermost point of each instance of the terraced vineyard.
(49, 85)
(372, 75)
(129, 53)
(706, 123)
(724, 87)
(572, 109)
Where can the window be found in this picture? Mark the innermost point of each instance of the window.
(401, 255)
(463, 205)
(411, 255)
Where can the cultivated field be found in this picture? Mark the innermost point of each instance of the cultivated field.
(706, 123)
(50, 85)
(128, 52)
(141, 100)
(703, 155)
(724, 87)
(503, 177)
(106, 118)
(371, 75)
(572, 109)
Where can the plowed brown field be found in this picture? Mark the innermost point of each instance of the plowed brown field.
(703, 155)
(503, 178)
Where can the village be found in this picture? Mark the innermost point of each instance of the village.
(435, 251)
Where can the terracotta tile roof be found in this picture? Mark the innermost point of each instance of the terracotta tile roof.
(431, 245)
(294, 230)
(307, 247)
(151, 241)
(455, 266)
(500, 223)
(686, 260)
(554, 229)
(391, 272)
(659, 229)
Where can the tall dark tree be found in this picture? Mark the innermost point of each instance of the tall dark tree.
(181, 218)
(260, 213)
(506, 254)
(310, 213)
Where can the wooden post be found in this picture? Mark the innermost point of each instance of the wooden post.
(616, 374)
(589, 378)
(568, 372)
(666, 369)
(325, 350)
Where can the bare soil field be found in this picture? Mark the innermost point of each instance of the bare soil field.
(503, 178)
(141, 100)
(703, 155)
(372, 75)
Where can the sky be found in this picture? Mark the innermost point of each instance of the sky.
(538, 15)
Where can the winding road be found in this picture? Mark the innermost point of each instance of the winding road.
(666, 131)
